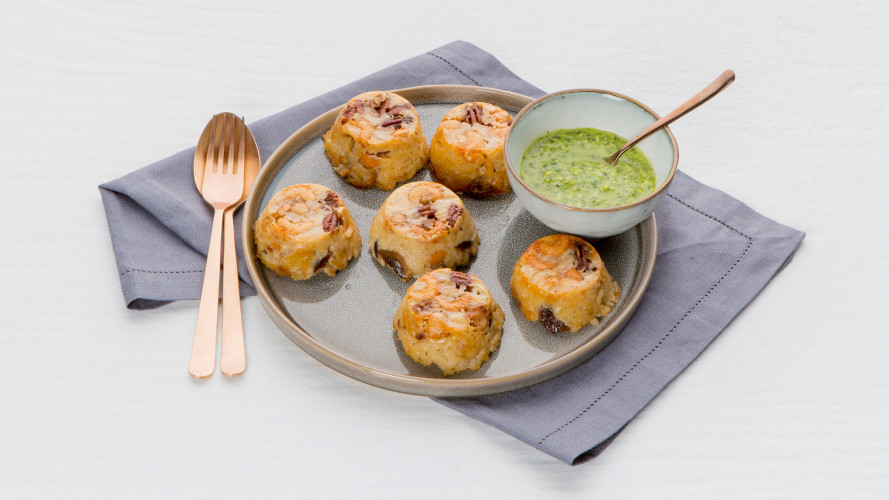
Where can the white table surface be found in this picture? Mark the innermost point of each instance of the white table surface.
(789, 402)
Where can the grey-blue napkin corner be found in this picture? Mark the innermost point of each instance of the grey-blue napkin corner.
(714, 255)
(721, 252)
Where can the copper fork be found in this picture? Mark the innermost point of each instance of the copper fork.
(223, 145)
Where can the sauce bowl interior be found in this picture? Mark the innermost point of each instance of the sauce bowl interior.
(590, 108)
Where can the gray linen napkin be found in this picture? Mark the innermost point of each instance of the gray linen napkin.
(714, 256)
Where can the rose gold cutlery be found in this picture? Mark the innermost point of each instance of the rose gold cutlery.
(225, 164)
(234, 359)
(715, 87)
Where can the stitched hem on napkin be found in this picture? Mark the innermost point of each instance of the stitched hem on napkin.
(715, 255)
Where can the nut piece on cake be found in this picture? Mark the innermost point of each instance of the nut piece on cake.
(562, 282)
(450, 319)
(376, 140)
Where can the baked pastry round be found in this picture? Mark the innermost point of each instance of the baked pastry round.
(562, 282)
(376, 140)
(420, 227)
(449, 318)
(466, 154)
(306, 229)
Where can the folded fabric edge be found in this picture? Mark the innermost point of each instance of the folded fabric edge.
(776, 244)
(153, 190)
(151, 288)
(456, 53)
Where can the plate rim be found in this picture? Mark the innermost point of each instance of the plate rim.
(411, 384)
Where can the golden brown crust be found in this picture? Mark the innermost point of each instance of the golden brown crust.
(561, 281)
(376, 140)
(466, 153)
(306, 229)
(450, 319)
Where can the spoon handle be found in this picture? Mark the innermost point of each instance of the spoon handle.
(203, 350)
(233, 361)
(721, 82)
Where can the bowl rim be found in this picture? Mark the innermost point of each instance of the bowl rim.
(657, 190)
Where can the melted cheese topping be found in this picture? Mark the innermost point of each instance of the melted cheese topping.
(305, 210)
(560, 262)
(378, 117)
(446, 300)
(423, 208)
(470, 129)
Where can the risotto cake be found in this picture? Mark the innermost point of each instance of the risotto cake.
(420, 227)
(562, 282)
(376, 140)
(450, 319)
(306, 229)
(466, 154)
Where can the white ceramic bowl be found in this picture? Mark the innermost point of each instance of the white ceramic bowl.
(602, 110)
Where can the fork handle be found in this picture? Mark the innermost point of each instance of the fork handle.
(203, 350)
(234, 360)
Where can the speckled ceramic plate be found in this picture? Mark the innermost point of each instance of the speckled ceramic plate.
(345, 321)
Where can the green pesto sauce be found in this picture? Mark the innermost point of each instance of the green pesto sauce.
(568, 166)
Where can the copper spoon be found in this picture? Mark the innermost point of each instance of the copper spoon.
(721, 82)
